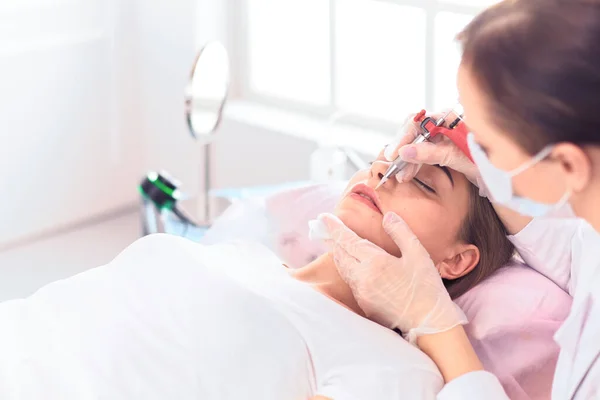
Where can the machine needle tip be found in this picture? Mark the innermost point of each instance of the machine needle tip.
(381, 182)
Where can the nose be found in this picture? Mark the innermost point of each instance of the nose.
(378, 169)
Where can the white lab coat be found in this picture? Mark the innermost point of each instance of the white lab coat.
(567, 251)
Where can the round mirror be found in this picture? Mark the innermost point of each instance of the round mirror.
(206, 93)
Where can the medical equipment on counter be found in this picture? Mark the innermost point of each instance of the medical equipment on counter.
(457, 132)
(160, 195)
(205, 98)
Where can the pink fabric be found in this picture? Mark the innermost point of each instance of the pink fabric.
(289, 212)
(513, 318)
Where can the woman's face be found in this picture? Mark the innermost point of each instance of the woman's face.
(434, 205)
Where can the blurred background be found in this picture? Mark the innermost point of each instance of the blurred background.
(91, 98)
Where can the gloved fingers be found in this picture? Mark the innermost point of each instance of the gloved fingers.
(402, 147)
(343, 262)
(361, 249)
(337, 231)
(403, 236)
(408, 173)
(361, 277)
(442, 152)
(339, 235)
(405, 135)
(346, 265)
(428, 153)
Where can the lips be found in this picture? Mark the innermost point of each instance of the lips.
(366, 195)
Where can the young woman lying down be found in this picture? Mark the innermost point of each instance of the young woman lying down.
(171, 319)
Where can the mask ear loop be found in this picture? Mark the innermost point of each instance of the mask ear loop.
(545, 152)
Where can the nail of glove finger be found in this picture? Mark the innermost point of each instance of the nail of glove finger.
(400, 232)
(406, 135)
(408, 153)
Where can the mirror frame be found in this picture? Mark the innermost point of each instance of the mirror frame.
(188, 96)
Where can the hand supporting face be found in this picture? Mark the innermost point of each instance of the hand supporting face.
(405, 293)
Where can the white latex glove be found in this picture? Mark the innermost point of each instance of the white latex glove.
(405, 293)
(440, 151)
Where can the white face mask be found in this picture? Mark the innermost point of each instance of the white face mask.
(499, 184)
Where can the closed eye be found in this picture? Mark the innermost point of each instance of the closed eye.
(424, 186)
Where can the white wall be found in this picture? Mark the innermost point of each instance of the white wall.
(166, 45)
(68, 152)
(82, 120)
(91, 97)
(171, 31)
(248, 155)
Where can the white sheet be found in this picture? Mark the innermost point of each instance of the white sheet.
(165, 320)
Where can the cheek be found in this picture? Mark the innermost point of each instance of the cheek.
(434, 224)
(430, 223)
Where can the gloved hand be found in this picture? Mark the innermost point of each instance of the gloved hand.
(440, 151)
(405, 293)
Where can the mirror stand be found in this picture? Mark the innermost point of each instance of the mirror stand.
(204, 195)
(205, 98)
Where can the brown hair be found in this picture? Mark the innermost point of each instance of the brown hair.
(538, 62)
(482, 228)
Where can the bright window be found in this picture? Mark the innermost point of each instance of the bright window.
(376, 59)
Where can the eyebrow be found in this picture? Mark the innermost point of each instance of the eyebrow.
(447, 172)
